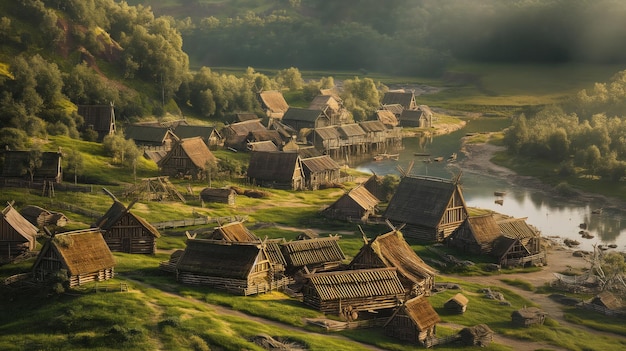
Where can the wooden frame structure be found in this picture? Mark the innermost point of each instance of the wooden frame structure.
(415, 321)
(17, 234)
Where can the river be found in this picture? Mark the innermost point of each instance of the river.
(553, 217)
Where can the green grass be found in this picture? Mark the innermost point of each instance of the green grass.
(519, 283)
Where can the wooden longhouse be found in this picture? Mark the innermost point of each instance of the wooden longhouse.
(353, 290)
(415, 321)
(320, 170)
(519, 245)
(188, 157)
(218, 195)
(99, 118)
(358, 204)
(82, 254)
(456, 304)
(17, 235)
(374, 184)
(280, 170)
(392, 251)
(320, 254)
(431, 208)
(124, 231)
(476, 235)
(238, 267)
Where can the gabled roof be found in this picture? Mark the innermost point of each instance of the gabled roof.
(421, 312)
(411, 115)
(517, 228)
(308, 151)
(266, 145)
(98, 116)
(299, 253)
(234, 232)
(607, 299)
(301, 114)
(398, 97)
(218, 258)
(484, 228)
(245, 127)
(265, 135)
(147, 134)
(356, 283)
(363, 197)
(396, 109)
(16, 161)
(217, 192)
(420, 200)
(115, 213)
(32, 212)
(186, 131)
(81, 251)
(274, 101)
(320, 163)
(196, 150)
(245, 116)
(394, 251)
(328, 133)
(372, 126)
(387, 117)
(279, 166)
(22, 226)
(351, 130)
(321, 102)
(460, 299)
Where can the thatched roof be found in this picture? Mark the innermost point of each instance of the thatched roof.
(528, 313)
(186, 131)
(308, 151)
(411, 115)
(245, 127)
(301, 114)
(274, 101)
(265, 135)
(478, 335)
(361, 196)
(421, 200)
(396, 109)
(387, 117)
(195, 149)
(81, 251)
(394, 251)
(459, 299)
(320, 164)
(328, 133)
(219, 258)
(208, 193)
(607, 299)
(155, 155)
(233, 232)
(516, 228)
(421, 312)
(356, 283)
(484, 228)
(372, 126)
(266, 145)
(33, 213)
(16, 162)
(113, 215)
(278, 166)
(399, 97)
(322, 102)
(245, 116)
(21, 226)
(143, 134)
(300, 253)
(351, 130)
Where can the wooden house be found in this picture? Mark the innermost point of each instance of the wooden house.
(265, 135)
(300, 118)
(319, 254)
(245, 116)
(15, 165)
(353, 138)
(414, 321)
(218, 195)
(236, 134)
(456, 304)
(528, 316)
(519, 245)
(327, 140)
(241, 268)
(281, 170)
(375, 134)
(188, 157)
(210, 135)
(476, 235)
(99, 118)
(387, 117)
(40, 217)
(374, 184)
(431, 208)
(404, 98)
(358, 204)
(17, 235)
(262, 146)
(125, 231)
(392, 251)
(320, 170)
(82, 254)
(150, 136)
(273, 103)
(332, 107)
(422, 117)
(233, 232)
(353, 290)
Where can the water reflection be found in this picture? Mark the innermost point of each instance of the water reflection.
(553, 217)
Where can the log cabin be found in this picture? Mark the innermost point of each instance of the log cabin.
(358, 204)
(320, 170)
(476, 235)
(414, 321)
(188, 157)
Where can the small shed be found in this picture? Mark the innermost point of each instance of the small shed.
(188, 157)
(241, 268)
(99, 118)
(17, 235)
(266, 145)
(606, 301)
(414, 321)
(315, 254)
(83, 254)
(528, 316)
(353, 290)
(320, 170)
(125, 231)
(358, 204)
(40, 217)
(218, 195)
(456, 304)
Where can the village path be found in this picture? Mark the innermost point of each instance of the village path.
(221, 310)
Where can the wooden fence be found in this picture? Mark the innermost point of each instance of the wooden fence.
(187, 222)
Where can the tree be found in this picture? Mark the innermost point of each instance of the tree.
(210, 168)
(33, 161)
(290, 78)
(75, 162)
(593, 158)
(613, 267)
(12, 139)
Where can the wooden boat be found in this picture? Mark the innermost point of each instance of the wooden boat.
(612, 246)
(597, 211)
(378, 158)
(381, 157)
(438, 159)
(499, 193)
(452, 157)
(499, 202)
(587, 235)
